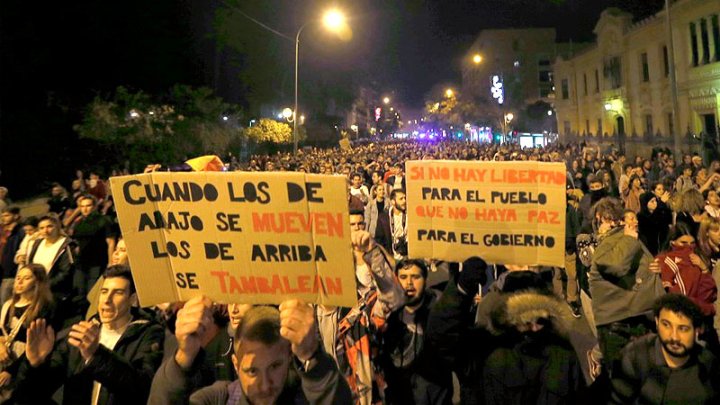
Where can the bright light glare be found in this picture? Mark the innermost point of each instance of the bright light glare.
(386, 100)
(225, 118)
(449, 93)
(549, 112)
(477, 58)
(608, 107)
(287, 112)
(334, 20)
(509, 117)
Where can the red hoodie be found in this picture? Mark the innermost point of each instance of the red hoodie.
(680, 276)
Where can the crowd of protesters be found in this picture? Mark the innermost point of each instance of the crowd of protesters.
(641, 267)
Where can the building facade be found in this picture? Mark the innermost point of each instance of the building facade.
(513, 67)
(620, 90)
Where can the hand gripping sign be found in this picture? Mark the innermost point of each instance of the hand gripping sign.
(237, 237)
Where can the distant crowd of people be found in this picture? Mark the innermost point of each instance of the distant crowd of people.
(642, 256)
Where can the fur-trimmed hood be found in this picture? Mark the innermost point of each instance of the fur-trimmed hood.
(520, 308)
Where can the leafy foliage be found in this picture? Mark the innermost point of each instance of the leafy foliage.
(142, 129)
(458, 110)
(269, 131)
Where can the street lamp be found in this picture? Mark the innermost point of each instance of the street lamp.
(386, 100)
(449, 93)
(334, 21)
(477, 59)
(287, 113)
(506, 122)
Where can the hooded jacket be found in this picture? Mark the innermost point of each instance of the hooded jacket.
(538, 367)
(494, 362)
(621, 283)
(680, 275)
(653, 227)
(126, 372)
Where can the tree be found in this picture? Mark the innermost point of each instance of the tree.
(269, 131)
(457, 110)
(141, 129)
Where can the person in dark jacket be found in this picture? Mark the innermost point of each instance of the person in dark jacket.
(654, 218)
(110, 359)
(668, 367)
(391, 232)
(277, 355)
(516, 351)
(412, 370)
(624, 282)
(53, 251)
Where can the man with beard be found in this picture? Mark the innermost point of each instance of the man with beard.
(668, 367)
(391, 230)
(412, 368)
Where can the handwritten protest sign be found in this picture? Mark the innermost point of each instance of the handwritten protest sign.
(504, 212)
(237, 237)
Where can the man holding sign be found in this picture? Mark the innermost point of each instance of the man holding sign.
(267, 341)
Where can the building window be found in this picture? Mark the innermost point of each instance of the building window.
(666, 61)
(599, 127)
(565, 89)
(585, 83)
(612, 70)
(566, 127)
(671, 125)
(597, 81)
(544, 62)
(704, 28)
(648, 124)
(715, 32)
(645, 67)
(693, 45)
(545, 76)
(587, 127)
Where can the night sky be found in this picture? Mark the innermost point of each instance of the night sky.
(57, 56)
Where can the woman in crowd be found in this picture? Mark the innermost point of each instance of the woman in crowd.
(709, 245)
(653, 226)
(688, 207)
(31, 299)
(632, 194)
(686, 272)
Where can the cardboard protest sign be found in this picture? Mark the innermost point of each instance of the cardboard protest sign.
(504, 212)
(237, 237)
(345, 144)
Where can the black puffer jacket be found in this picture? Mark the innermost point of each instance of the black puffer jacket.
(495, 363)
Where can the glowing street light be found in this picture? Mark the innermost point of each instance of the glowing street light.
(386, 100)
(334, 21)
(477, 58)
(287, 113)
(449, 93)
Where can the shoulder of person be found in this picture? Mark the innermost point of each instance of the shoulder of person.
(217, 393)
